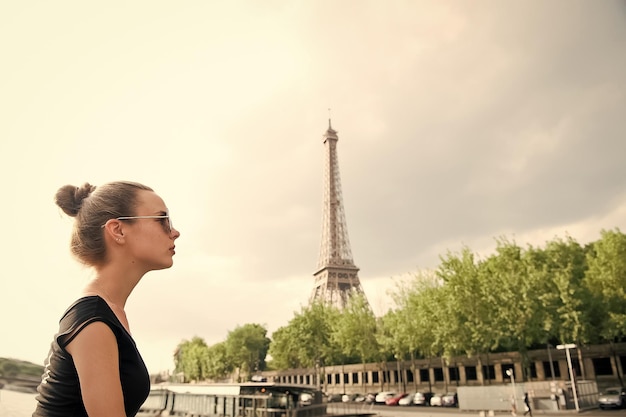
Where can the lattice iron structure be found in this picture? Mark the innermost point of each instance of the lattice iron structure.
(336, 278)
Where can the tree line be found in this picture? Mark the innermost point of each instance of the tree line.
(516, 299)
(13, 368)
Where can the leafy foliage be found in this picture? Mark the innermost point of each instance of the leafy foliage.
(515, 299)
(246, 348)
(355, 331)
(606, 282)
(11, 368)
(191, 359)
(306, 341)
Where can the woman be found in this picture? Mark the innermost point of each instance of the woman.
(122, 230)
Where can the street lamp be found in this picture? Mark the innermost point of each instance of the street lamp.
(511, 374)
(567, 347)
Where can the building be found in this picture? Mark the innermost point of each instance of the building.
(604, 364)
(336, 277)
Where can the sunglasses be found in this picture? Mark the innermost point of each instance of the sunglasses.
(166, 222)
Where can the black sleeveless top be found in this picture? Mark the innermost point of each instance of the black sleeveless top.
(59, 392)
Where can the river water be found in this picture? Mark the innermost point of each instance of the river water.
(16, 404)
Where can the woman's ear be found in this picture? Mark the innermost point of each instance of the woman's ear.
(114, 230)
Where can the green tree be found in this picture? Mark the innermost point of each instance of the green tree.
(391, 336)
(558, 271)
(306, 341)
(513, 292)
(425, 304)
(469, 327)
(247, 347)
(219, 364)
(314, 329)
(403, 330)
(354, 331)
(561, 302)
(396, 338)
(606, 280)
(191, 359)
(469, 318)
(10, 369)
(284, 348)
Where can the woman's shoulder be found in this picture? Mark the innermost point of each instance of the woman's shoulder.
(85, 309)
(86, 303)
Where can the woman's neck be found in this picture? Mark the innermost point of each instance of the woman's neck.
(112, 293)
(114, 296)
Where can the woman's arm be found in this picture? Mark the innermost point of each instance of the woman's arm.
(96, 357)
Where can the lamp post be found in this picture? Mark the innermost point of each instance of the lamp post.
(511, 374)
(567, 347)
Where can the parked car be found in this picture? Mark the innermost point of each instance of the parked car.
(371, 397)
(436, 400)
(381, 397)
(407, 400)
(614, 397)
(395, 399)
(450, 399)
(359, 398)
(334, 398)
(422, 398)
(347, 398)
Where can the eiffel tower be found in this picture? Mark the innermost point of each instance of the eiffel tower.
(336, 278)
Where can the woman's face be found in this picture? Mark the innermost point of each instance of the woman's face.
(150, 241)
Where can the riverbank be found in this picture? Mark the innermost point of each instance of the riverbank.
(16, 404)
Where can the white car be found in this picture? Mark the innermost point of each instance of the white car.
(422, 398)
(436, 400)
(614, 397)
(381, 397)
(449, 400)
(407, 399)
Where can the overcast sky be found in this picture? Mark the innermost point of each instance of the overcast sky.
(459, 122)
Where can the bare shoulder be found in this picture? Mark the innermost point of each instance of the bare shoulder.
(96, 357)
(96, 339)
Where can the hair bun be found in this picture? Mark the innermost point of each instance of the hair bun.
(70, 198)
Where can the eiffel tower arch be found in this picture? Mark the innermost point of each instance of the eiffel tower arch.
(336, 277)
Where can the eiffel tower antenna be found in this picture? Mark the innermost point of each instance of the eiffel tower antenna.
(336, 278)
